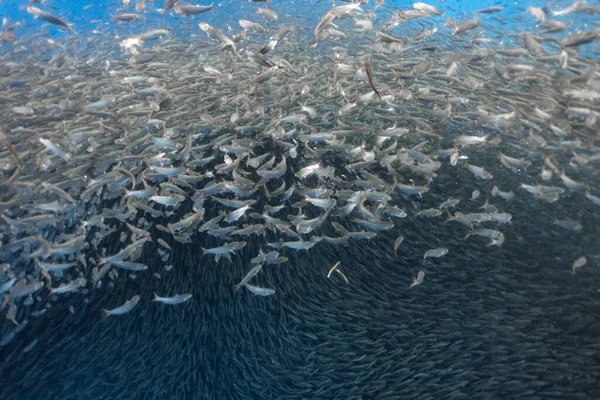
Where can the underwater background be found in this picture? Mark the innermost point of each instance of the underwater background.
(510, 310)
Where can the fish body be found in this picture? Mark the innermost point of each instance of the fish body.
(46, 16)
(124, 309)
(251, 274)
(188, 9)
(173, 300)
(439, 252)
(225, 249)
(69, 287)
(418, 280)
(259, 291)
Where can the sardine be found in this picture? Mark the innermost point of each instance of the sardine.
(125, 308)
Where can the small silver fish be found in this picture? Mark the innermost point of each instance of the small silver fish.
(251, 274)
(479, 172)
(178, 299)
(259, 291)
(439, 252)
(125, 308)
(580, 262)
(398, 242)
(69, 287)
(418, 280)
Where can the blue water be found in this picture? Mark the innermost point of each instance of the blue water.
(488, 323)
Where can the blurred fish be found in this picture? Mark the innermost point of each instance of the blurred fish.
(46, 16)
(418, 280)
(178, 299)
(439, 252)
(259, 291)
(187, 10)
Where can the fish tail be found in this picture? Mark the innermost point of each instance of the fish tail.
(155, 297)
(236, 288)
(105, 313)
(71, 30)
(204, 251)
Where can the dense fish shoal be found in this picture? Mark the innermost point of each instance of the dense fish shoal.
(360, 201)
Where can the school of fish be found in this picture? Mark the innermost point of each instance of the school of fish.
(271, 138)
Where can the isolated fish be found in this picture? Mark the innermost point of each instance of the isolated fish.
(125, 308)
(46, 16)
(439, 252)
(188, 9)
(259, 291)
(418, 280)
(178, 299)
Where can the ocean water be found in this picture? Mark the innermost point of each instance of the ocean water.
(518, 318)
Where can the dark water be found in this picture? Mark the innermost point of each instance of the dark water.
(488, 322)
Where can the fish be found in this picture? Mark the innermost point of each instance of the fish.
(496, 237)
(438, 252)
(537, 12)
(251, 274)
(188, 9)
(418, 280)
(7, 285)
(579, 263)
(308, 225)
(47, 17)
(479, 172)
(397, 243)
(462, 26)
(252, 26)
(514, 164)
(130, 143)
(267, 13)
(123, 309)
(169, 4)
(259, 291)
(430, 213)
(370, 78)
(225, 249)
(128, 17)
(69, 287)
(491, 10)
(466, 140)
(173, 300)
(227, 42)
